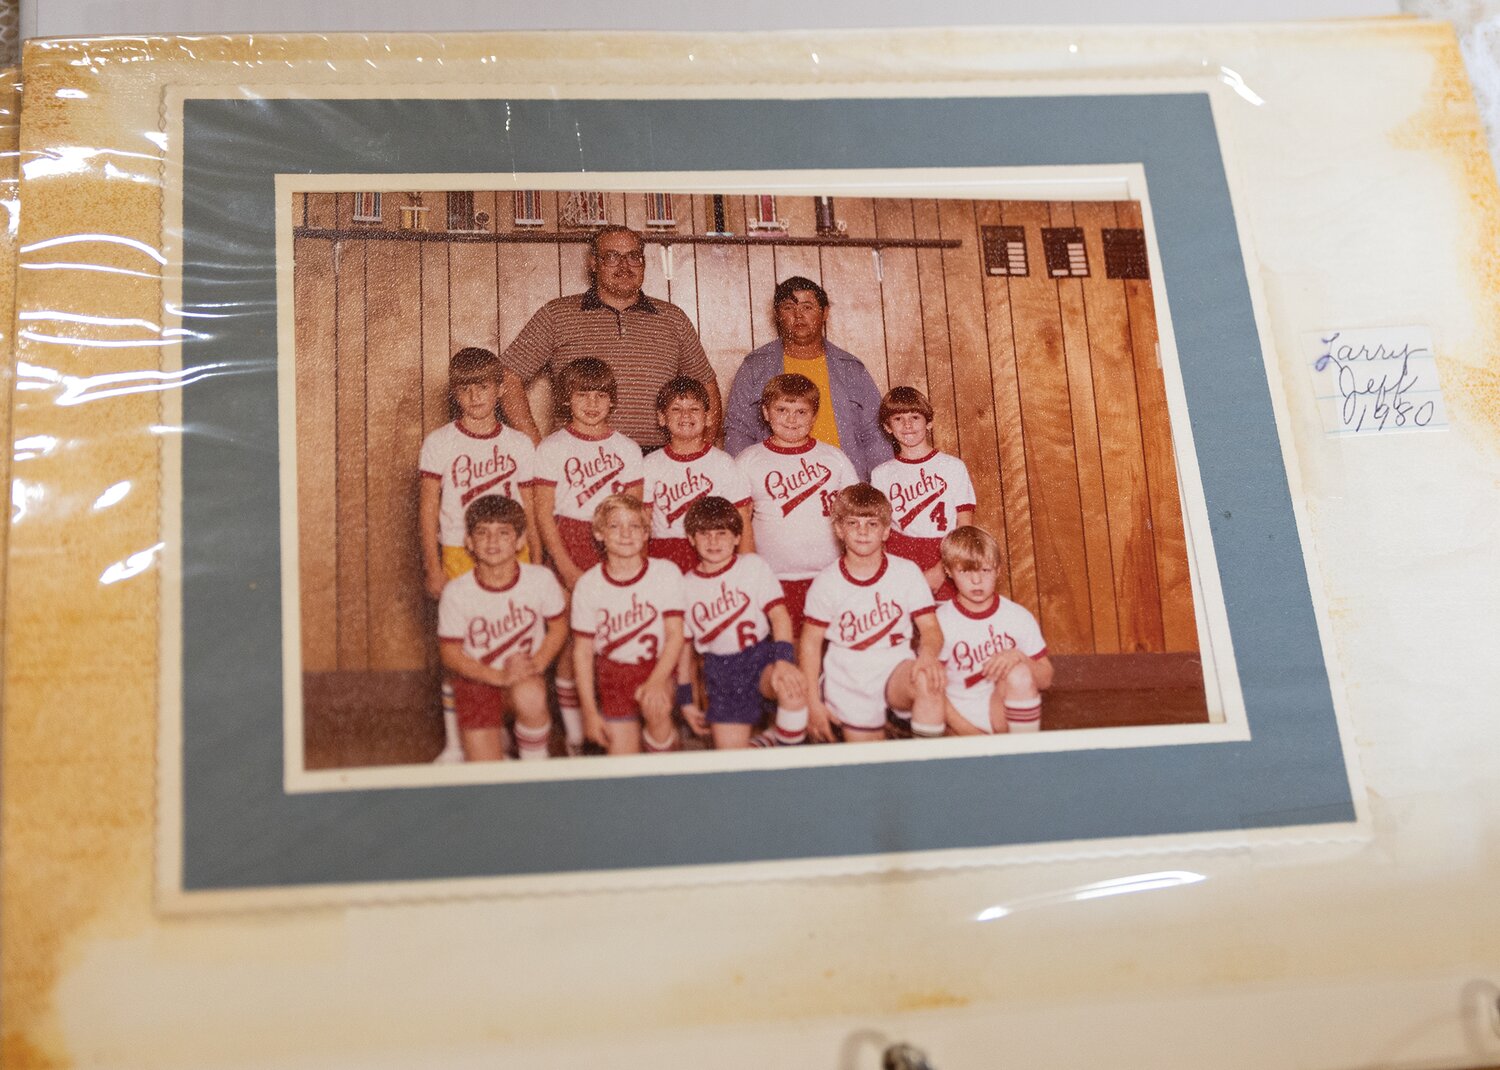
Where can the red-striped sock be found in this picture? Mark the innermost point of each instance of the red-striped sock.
(1024, 715)
(572, 716)
(790, 727)
(531, 743)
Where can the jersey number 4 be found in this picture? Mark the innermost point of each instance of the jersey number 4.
(939, 515)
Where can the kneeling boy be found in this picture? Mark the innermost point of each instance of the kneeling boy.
(867, 604)
(627, 635)
(737, 619)
(500, 626)
(993, 650)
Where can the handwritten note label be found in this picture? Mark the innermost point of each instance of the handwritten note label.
(1376, 380)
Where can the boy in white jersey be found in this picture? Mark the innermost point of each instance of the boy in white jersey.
(793, 480)
(996, 659)
(627, 635)
(577, 467)
(499, 626)
(461, 462)
(930, 492)
(867, 605)
(736, 618)
(689, 468)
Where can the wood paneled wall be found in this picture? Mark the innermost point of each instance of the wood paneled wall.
(1050, 389)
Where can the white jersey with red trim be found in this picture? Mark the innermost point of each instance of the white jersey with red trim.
(472, 466)
(925, 495)
(728, 611)
(873, 618)
(674, 481)
(626, 619)
(584, 471)
(494, 623)
(792, 492)
(970, 639)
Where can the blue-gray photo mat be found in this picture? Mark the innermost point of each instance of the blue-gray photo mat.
(241, 830)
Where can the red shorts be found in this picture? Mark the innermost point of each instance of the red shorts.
(578, 540)
(616, 684)
(925, 552)
(478, 705)
(796, 601)
(678, 551)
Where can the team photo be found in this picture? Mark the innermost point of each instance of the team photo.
(582, 474)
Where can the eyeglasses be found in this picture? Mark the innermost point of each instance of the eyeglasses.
(610, 259)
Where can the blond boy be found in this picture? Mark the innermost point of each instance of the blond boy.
(627, 635)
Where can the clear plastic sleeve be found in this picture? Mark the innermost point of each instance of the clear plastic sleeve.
(1197, 324)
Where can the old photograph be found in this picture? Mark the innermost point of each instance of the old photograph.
(605, 472)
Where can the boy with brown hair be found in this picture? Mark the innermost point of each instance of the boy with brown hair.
(688, 469)
(868, 605)
(461, 462)
(994, 653)
(500, 625)
(736, 619)
(793, 480)
(577, 467)
(930, 491)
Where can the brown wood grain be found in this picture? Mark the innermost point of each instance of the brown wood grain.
(1112, 359)
(1096, 521)
(761, 281)
(723, 306)
(734, 213)
(1179, 621)
(1005, 396)
(937, 353)
(351, 459)
(1062, 567)
(317, 497)
(393, 359)
(1048, 389)
(855, 320)
(526, 280)
(682, 289)
(794, 261)
(973, 385)
(472, 285)
(573, 268)
(320, 209)
(434, 327)
(901, 295)
(801, 219)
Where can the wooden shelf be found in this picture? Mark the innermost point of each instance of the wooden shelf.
(526, 237)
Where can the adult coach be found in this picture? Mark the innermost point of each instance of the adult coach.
(849, 413)
(644, 340)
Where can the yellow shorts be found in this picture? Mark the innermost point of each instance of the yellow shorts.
(457, 560)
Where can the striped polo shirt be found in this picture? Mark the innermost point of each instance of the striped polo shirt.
(646, 344)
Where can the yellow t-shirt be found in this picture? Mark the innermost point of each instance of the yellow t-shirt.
(825, 428)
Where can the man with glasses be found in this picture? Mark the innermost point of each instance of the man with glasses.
(646, 341)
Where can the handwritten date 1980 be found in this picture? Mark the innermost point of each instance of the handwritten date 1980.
(1373, 384)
